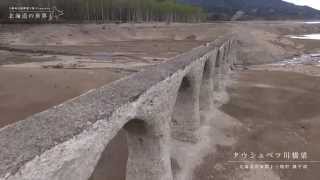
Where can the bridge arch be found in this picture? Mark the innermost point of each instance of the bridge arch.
(148, 156)
(217, 71)
(140, 152)
(206, 94)
(87, 123)
(185, 117)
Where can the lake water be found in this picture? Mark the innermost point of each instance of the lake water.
(307, 59)
(312, 22)
(306, 36)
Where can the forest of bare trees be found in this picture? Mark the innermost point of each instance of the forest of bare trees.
(115, 10)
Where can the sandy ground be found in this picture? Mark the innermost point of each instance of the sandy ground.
(145, 51)
(25, 91)
(266, 40)
(44, 65)
(271, 107)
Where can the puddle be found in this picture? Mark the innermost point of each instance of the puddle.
(307, 59)
(102, 56)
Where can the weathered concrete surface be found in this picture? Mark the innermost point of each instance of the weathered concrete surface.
(207, 85)
(66, 141)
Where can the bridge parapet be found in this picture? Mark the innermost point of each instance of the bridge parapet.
(65, 142)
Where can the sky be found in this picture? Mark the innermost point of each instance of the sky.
(312, 3)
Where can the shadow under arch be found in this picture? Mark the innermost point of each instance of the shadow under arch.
(136, 127)
(184, 117)
(206, 91)
(148, 147)
(113, 161)
(217, 71)
(218, 60)
(144, 153)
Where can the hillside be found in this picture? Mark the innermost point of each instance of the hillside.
(254, 9)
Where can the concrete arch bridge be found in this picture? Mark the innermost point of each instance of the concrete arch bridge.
(153, 106)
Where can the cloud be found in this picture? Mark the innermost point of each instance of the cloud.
(312, 3)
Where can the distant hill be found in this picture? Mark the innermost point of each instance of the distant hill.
(254, 9)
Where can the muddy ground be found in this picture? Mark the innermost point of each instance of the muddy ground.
(270, 108)
(118, 50)
(27, 91)
(278, 112)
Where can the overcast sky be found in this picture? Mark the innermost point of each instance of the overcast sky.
(312, 3)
